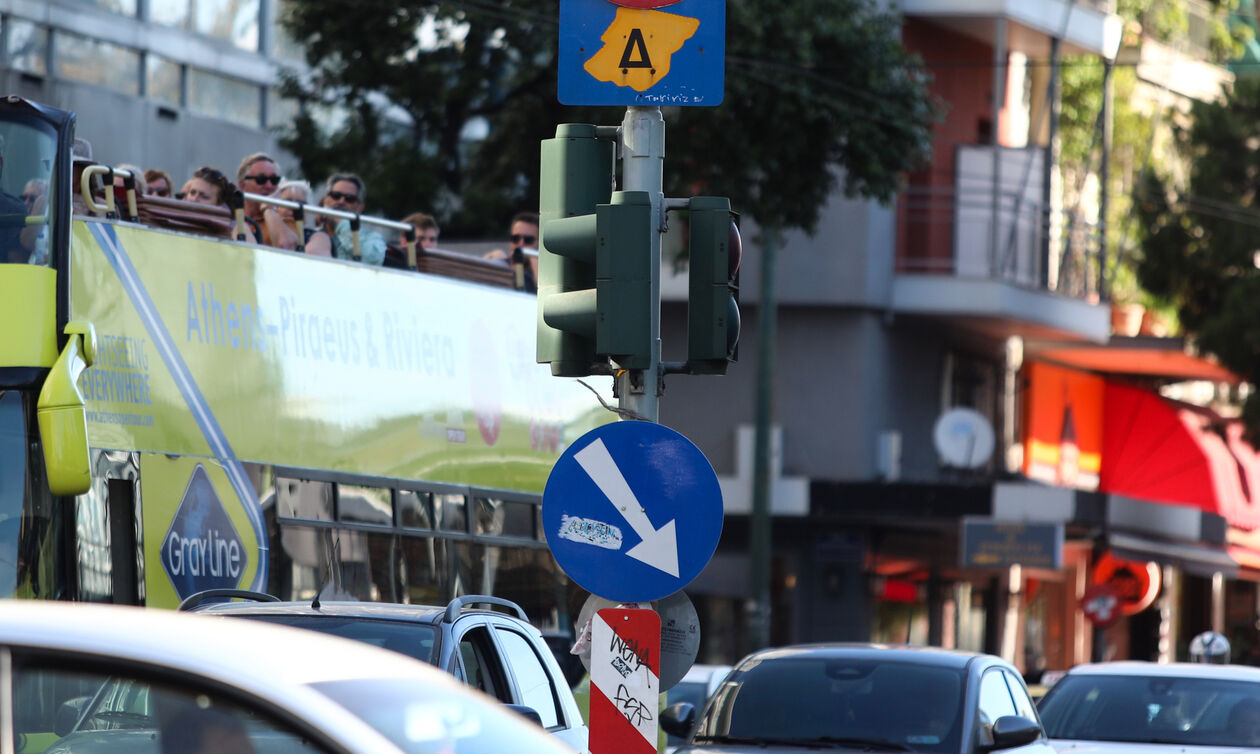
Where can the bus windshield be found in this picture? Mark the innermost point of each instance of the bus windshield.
(27, 155)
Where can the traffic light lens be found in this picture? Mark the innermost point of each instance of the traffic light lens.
(734, 251)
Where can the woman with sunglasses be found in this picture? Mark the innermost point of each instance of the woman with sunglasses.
(258, 174)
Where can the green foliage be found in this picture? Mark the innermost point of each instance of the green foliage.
(1199, 240)
(810, 87)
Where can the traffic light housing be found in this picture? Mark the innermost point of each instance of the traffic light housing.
(576, 176)
(594, 261)
(715, 249)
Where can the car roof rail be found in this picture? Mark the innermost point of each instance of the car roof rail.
(459, 603)
(193, 600)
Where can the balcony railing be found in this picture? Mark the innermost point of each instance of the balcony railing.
(998, 228)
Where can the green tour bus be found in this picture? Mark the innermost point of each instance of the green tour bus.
(181, 410)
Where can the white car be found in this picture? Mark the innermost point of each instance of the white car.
(1190, 708)
(89, 679)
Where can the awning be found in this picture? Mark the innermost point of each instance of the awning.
(1164, 451)
(1142, 355)
(1195, 559)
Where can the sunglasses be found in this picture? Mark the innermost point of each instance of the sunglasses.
(274, 180)
(338, 196)
(29, 197)
(519, 238)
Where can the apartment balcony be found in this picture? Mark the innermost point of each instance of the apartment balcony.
(986, 253)
(1083, 26)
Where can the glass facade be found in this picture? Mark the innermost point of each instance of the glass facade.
(37, 49)
(95, 62)
(28, 46)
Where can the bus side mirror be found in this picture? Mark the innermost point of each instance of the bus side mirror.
(63, 416)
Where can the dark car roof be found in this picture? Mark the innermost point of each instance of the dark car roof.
(379, 610)
(935, 656)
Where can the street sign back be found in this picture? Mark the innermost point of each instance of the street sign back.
(632, 511)
(642, 52)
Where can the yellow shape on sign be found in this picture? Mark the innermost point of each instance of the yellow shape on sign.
(638, 46)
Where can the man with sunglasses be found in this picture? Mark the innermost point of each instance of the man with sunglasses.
(523, 232)
(346, 192)
(258, 174)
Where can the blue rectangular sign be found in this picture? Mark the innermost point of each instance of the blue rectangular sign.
(668, 56)
(987, 543)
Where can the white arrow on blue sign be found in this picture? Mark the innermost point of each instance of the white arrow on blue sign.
(632, 511)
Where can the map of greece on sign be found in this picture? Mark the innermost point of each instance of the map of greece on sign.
(642, 52)
(632, 511)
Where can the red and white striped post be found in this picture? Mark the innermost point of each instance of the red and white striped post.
(625, 680)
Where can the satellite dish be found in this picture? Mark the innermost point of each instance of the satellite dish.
(963, 438)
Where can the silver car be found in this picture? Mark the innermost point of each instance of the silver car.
(863, 697)
(82, 679)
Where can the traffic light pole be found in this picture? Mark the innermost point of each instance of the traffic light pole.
(642, 168)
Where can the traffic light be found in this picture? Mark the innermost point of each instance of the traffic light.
(713, 289)
(594, 260)
(576, 176)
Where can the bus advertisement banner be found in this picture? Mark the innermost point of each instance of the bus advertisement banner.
(218, 350)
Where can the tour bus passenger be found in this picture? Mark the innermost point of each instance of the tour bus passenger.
(523, 233)
(210, 186)
(346, 192)
(142, 186)
(427, 230)
(158, 183)
(12, 221)
(35, 237)
(314, 240)
(258, 174)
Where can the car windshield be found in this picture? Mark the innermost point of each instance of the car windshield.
(1185, 711)
(890, 705)
(428, 720)
(408, 637)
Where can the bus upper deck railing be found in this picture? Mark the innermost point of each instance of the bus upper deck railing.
(221, 221)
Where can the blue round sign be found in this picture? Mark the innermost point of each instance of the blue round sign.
(632, 511)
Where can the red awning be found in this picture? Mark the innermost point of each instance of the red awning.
(1165, 451)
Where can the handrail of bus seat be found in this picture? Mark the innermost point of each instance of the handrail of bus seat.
(109, 209)
(355, 220)
(459, 603)
(193, 600)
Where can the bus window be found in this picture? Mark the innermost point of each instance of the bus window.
(13, 464)
(27, 153)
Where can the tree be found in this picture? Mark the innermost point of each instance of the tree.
(1199, 239)
(810, 87)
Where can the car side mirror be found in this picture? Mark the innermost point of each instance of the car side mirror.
(1010, 731)
(527, 712)
(678, 718)
(68, 714)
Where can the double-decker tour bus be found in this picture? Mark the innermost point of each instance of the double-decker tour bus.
(180, 410)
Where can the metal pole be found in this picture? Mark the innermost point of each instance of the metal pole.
(642, 167)
(1047, 169)
(759, 535)
(1104, 178)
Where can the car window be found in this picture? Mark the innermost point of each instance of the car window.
(1179, 711)
(1024, 706)
(995, 702)
(808, 699)
(69, 711)
(481, 667)
(408, 637)
(531, 676)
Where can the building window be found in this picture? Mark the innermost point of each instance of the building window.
(28, 47)
(285, 47)
(121, 7)
(225, 98)
(95, 62)
(162, 80)
(234, 21)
